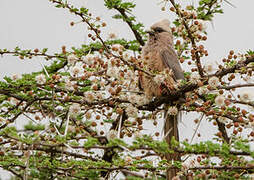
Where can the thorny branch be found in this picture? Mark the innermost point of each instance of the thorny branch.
(134, 66)
(114, 102)
(135, 32)
(198, 62)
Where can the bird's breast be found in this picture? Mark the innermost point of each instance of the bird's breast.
(152, 59)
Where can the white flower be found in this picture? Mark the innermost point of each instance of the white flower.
(130, 74)
(202, 25)
(137, 134)
(112, 35)
(251, 124)
(40, 79)
(59, 108)
(14, 101)
(112, 134)
(88, 96)
(248, 79)
(99, 95)
(117, 47)
(102, 83)
(140, 100)
(71, 129)
(128, 160)
(184, 167)
(223, 120)
(88, 115)
(209, 68)
(246, 96)
(172, 111)
(159, 78)
(219, 100)
(89, 59)
(133, 98)
(113, 72)
(69, 85)
(75, 70)
(132, 86)
(202, 90)
(194, 13)
(74, 109)
(195, 77)
(126, 55)
(72, 59)
(193, 28)
(213, 82)
(15, 77)
(131, 111)
(95, 87)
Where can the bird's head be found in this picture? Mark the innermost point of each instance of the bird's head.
(160, 30)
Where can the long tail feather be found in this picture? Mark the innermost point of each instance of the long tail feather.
(170, 130)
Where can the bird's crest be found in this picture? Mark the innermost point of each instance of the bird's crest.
(164, 24)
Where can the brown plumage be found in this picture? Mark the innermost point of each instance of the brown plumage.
(159, 55)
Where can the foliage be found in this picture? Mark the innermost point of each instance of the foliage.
(85, 115)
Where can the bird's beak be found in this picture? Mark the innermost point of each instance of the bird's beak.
(150, 32)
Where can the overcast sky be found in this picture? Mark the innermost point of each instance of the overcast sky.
(37, 24)
(33, 24)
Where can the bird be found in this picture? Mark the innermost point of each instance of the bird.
(158, 55)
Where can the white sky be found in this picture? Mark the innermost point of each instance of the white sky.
(33, 24)
(37, 24)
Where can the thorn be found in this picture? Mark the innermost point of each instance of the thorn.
(195, 132)
(67, 125)
(213, 25)
(167, 133)
(68, 146)
(119, 127)
(230, 3)
(44, 69)
(57, 130)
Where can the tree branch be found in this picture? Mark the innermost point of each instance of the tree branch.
(198, 62)
(238, 66)
(135, 32)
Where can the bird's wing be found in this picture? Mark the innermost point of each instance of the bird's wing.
(170, 60)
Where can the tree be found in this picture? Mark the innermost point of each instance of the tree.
(86, 114)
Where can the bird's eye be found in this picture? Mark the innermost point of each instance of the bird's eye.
(159, 30)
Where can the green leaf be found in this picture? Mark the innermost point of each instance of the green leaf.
(32, 127)
(108, 120)
(250, 52)
(44, 50)
(91, 142)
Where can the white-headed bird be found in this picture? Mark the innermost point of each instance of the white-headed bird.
(159, 55)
